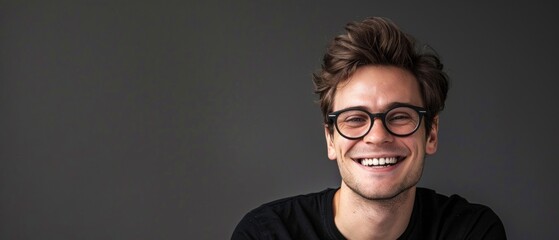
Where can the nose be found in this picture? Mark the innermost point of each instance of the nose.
(378, 134)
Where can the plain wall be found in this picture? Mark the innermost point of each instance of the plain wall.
(128, 120)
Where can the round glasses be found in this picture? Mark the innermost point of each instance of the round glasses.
(354, 123)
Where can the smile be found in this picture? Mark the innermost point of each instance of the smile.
(378, 162)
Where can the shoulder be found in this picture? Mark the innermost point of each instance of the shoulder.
(455, 217)
(303, 198)
(449, 206)
(285, 216)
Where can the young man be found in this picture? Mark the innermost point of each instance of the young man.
(380, 98)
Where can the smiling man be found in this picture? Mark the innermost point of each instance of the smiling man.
(380, 97)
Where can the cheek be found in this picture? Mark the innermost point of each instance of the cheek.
(338, 147)
(416, 146)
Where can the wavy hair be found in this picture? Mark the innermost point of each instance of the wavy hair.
(378, 41)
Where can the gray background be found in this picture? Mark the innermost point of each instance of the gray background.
(127, 120)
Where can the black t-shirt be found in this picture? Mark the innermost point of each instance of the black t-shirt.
(310, 217)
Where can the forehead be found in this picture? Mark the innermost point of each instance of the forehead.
(376, 87)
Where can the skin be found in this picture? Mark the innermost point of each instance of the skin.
(376, 203)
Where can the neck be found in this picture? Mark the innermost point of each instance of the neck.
(360, 218)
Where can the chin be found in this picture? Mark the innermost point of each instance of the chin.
(377, 194)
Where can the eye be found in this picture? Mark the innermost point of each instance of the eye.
(353, 119)
(399, 117)
(402, 116)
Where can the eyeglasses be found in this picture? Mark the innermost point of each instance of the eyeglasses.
(401, 120)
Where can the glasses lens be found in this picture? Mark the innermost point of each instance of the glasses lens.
(402, 120)
(353, 123)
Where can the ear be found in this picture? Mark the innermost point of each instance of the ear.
(432, 137)
(330, 143)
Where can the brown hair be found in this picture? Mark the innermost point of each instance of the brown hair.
(378, 41)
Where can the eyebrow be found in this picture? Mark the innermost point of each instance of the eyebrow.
(389, 106)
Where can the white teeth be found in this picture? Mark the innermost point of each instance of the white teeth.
(378, 161)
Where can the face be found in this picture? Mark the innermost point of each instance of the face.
(375, 89)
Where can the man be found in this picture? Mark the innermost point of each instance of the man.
(380, 97)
